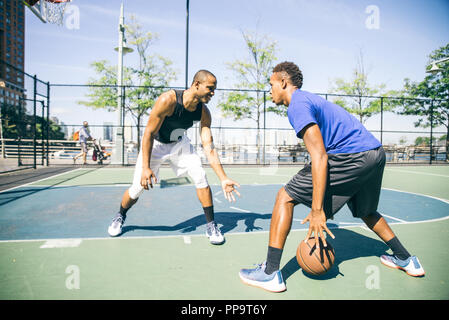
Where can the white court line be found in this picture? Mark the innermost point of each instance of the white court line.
(241, 233)
(202, 235)
(417, 172)
(397, 219)
(275, 174)
(187, 240)
(217, 193)
(61, 243)
(215, 199)
(43, 179)
(419, 194)
(242, 210)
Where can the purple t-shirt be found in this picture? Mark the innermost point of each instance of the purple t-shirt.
(341, 131)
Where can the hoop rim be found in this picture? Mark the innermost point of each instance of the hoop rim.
(58, 1)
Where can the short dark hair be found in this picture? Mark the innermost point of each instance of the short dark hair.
(202, 75)
(292, 71)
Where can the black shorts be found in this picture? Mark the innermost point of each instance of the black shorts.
(353, 178)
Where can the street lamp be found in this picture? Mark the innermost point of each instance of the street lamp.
(122, 49)
(435, 69)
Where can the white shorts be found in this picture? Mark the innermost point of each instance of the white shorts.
(183, 160)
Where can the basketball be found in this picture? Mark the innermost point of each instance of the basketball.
(314, 261)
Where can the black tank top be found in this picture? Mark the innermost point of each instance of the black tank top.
(174, 126)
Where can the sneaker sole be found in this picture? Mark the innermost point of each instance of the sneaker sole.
(113, 234)
(257, 284)
(393, 266)
(215, 242)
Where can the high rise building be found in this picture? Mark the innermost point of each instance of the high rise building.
(12, 51)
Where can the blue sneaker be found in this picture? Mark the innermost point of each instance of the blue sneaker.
(411, 265)
(258, 278)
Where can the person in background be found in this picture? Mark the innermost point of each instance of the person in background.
(84, 136)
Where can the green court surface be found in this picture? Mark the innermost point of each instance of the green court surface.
(54, 242)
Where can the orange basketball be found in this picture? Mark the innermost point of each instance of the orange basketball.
(312, 260)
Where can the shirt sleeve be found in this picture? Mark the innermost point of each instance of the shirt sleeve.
(300, 114)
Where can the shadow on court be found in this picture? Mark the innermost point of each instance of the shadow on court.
(13, 195)
(348, 245)
(228, 220)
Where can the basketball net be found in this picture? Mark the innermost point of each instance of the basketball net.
(55, 10)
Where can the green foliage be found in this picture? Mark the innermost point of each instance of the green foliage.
(359, 90)
(251, 73)
(434, 86)
(139, 82)
(18, 124)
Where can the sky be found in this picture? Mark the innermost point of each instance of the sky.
(323, 37)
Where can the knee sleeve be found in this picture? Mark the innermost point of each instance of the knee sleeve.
(135, 191)
(198, 175)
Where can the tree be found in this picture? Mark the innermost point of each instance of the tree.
(253, 73)
(143, 84)
(16, 123)
(432, 108)
(359, 90)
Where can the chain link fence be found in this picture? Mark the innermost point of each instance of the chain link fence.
(33, 132)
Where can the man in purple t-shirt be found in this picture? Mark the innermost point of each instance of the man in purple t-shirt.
(347, 164)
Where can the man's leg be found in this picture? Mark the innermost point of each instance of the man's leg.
(205, 197)
(377, 223)
(185, 161)
(401, 258)
(281, 222)
(129, 198)
(127, 203)
(268, 276)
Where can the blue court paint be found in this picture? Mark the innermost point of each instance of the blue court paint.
(86, 212)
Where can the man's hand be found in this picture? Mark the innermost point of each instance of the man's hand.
(228, 187)
(317, 220)
(148, 178)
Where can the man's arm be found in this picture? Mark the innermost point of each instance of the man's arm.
(163, 107)
(314, 143)
(212, 155)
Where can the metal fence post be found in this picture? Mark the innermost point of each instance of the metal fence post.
(34, 122)
(431, 131)
(264, 123)
(123, 124)
(48, 123)
(42, 133)
(381, 119)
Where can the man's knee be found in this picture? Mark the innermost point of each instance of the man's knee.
(135, 191)
(283, 197)
(371, 219)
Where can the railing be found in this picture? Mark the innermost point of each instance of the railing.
(61, 152)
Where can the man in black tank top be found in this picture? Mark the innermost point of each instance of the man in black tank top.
(174, 126)
(165, 140)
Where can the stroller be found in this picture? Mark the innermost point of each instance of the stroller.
(99, 153)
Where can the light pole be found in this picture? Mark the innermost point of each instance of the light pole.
(187, 45)
(122, 49)
(435, 69)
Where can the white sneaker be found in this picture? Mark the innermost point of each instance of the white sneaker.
(411, 266)
(116, 226)
(214, 233)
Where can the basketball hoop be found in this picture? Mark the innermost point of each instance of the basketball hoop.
(55, 10)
